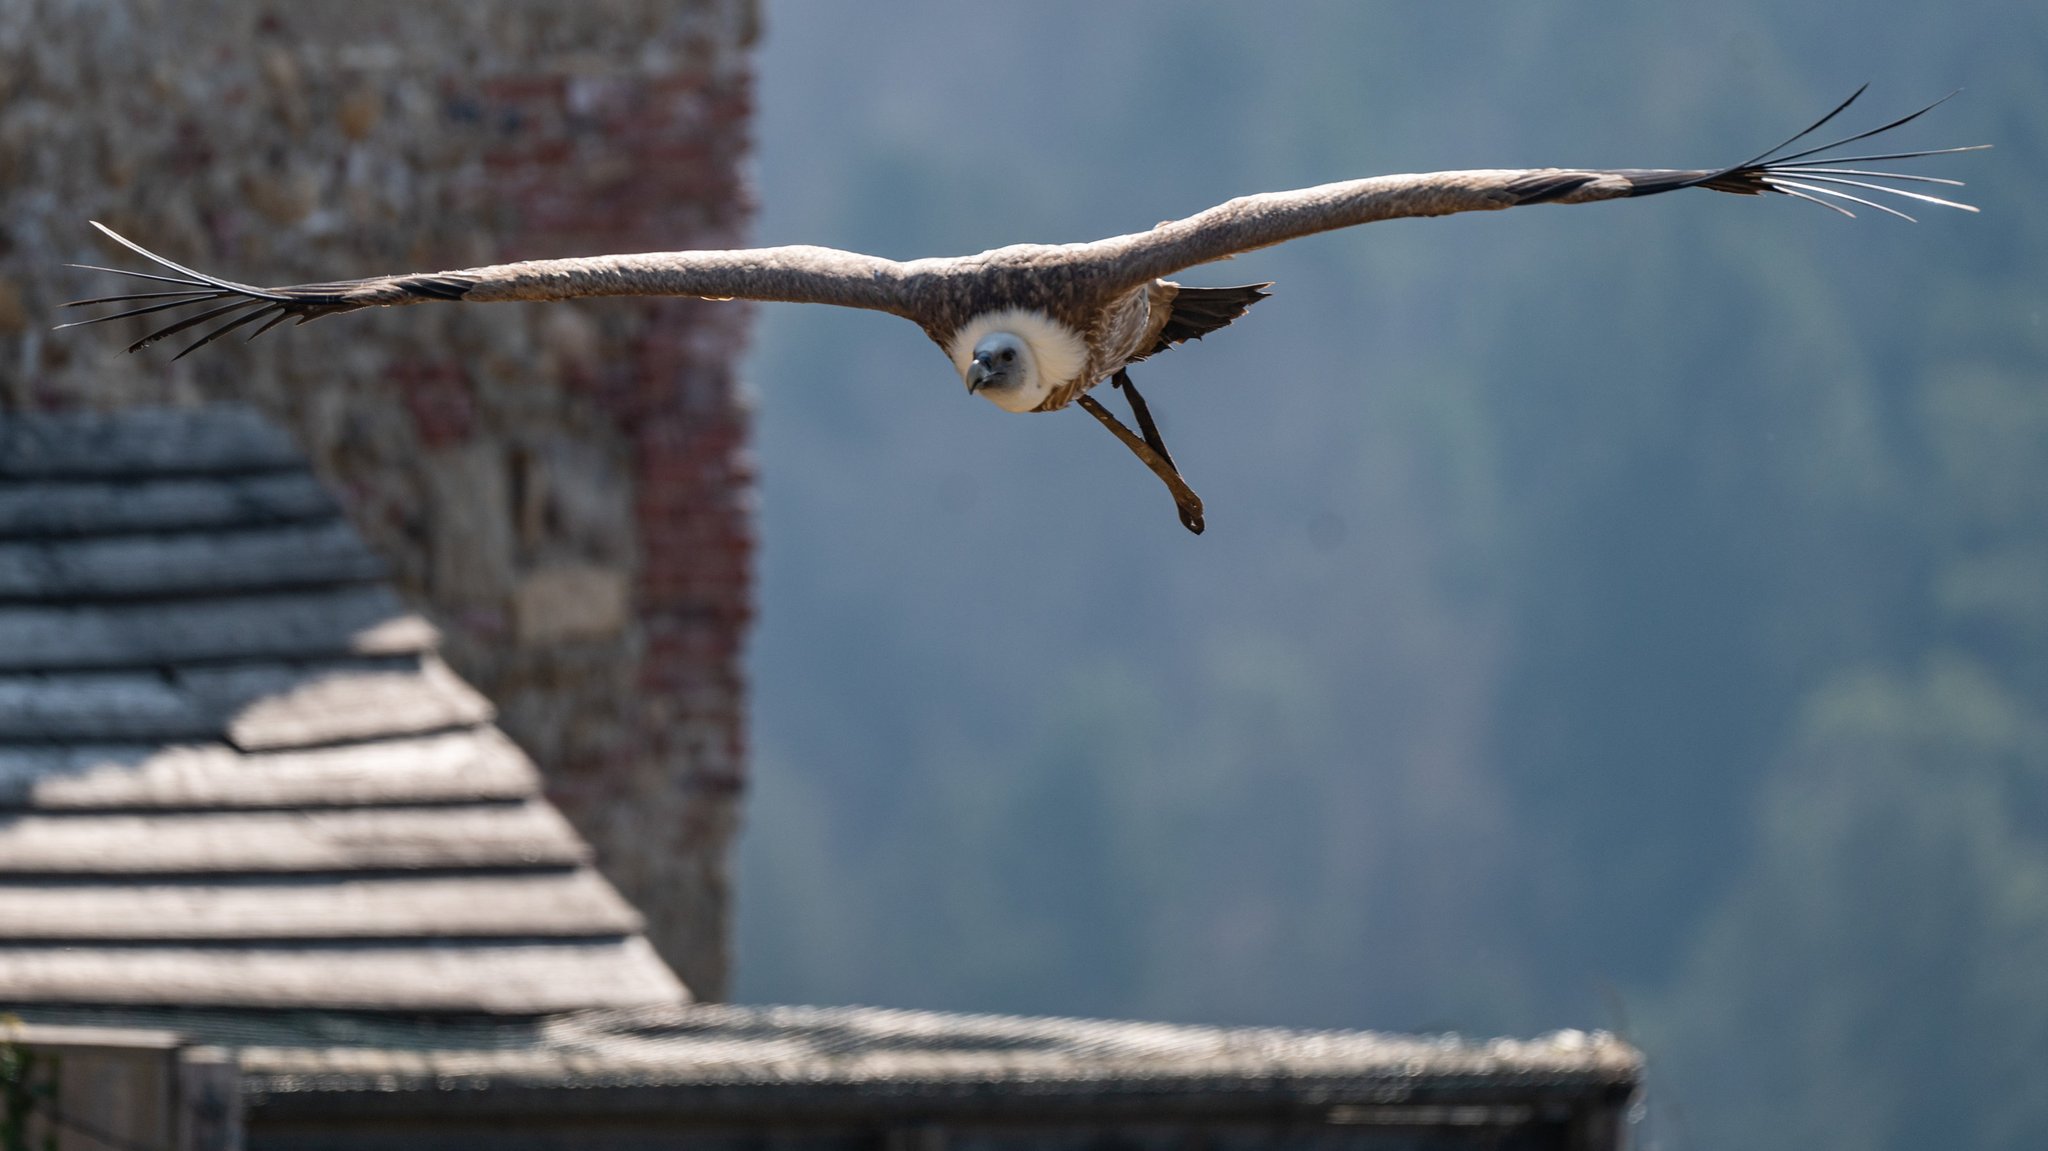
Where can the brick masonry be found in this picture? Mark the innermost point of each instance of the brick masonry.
(566, 487)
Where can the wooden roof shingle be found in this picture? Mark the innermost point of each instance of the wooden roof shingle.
(233, 771)
(486, 904)
(467, 764)
(58, 508)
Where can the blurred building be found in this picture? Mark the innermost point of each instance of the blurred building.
(564, 489)
(269, 876)
(277, 865)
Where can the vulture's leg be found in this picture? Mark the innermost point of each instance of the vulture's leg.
(1146, 427)
(1152, 451)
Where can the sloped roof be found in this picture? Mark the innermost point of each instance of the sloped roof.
(233, 770)
(791, 1066)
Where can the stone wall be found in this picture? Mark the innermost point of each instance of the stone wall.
(565, 486)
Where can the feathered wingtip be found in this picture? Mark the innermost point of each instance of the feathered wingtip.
(245, 303)
(1818, 177)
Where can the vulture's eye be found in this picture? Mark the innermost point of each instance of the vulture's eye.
(1008, 355)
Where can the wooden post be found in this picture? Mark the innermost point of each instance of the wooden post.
(125, 1089)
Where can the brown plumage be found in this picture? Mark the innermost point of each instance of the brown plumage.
(1071, 315)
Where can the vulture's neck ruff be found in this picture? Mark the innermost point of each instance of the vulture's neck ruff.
(1058, 353)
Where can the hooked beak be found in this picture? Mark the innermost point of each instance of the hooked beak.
(978, 373)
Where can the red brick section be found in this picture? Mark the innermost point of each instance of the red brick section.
(437, 393)
(677, 145)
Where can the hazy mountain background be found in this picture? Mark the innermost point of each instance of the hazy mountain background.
(1623, 616)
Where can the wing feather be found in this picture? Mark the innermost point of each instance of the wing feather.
(791, 274)
(1269, 218)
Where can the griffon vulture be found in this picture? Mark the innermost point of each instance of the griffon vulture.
(1032, 327)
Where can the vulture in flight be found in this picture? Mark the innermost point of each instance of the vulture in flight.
(1033, 327)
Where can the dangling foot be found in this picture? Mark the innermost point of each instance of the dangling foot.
(1151, 449)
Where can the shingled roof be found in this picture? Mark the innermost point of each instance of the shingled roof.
(234, 772)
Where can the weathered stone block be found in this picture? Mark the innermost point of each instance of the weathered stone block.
(469, 524)
(569, 602)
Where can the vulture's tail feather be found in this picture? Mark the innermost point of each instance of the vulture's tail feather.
(1199, 311)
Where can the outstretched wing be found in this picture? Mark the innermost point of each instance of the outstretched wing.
(794, 274)
(1818, 174)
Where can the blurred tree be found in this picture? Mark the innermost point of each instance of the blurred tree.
(1873, 980)
(1652, 597)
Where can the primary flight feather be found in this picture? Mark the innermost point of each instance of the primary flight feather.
(1033, 327)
